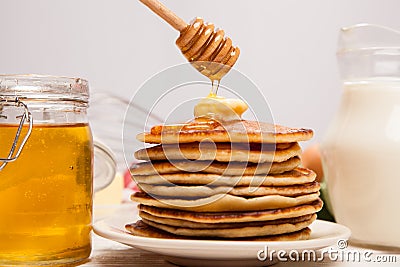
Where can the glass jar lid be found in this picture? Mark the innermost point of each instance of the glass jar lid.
(44, 87)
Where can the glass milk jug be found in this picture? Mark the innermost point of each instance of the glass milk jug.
(361, 151)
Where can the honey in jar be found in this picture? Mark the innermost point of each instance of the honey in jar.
(46, 189)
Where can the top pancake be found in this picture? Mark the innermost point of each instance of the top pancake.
(223, 152)
(233, 131)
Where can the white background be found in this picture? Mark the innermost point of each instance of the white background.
(288, 46)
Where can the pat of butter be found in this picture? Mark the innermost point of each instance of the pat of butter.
(220, 108)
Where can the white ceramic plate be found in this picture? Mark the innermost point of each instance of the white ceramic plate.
(214, 253)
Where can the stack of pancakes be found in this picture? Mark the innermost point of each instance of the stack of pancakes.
(236, 181)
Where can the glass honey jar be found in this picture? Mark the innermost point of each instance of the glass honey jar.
(46, 170)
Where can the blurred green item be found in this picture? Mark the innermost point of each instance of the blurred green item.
(325, 213)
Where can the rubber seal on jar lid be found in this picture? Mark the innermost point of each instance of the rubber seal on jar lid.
(105, 166)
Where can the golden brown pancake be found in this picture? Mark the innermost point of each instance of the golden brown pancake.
(230, 132)
(293, 177)
(141, 229)
(223, 152)
(215, 167)
(224, 202)
(233, 216)
(238, 232)
(195, 225)
(180, 191)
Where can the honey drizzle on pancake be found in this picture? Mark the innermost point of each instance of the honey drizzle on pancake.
(197, 124)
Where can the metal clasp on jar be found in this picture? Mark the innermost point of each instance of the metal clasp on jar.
(25, 117)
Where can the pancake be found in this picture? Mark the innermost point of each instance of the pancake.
(293, 177)
(224, 202)
(223, 152)
(236, 232)
(215, 167)
(141, 229)
(179, 191)
(241, 131)
(234, 217)
(196, 225)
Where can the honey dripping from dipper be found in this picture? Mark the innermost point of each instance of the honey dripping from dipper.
(212, 54)
(208, 50)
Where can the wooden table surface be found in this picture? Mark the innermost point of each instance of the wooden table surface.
(109, 253)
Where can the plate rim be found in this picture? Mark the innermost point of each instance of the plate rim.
(104, 229)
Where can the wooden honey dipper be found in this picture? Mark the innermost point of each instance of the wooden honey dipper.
(205, 47)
